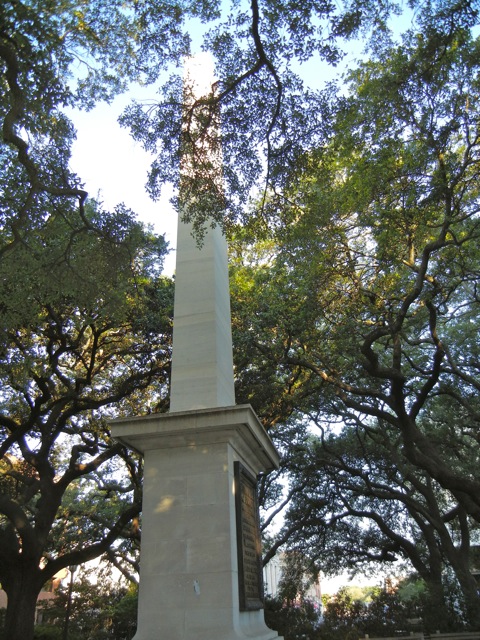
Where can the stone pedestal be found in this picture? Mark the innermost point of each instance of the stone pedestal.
(190, 587)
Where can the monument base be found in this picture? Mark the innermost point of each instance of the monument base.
(246, 632)
(194, 584)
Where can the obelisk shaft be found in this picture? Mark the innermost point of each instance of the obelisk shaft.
(198, 562)
(202, 362)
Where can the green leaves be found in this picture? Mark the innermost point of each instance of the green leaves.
(268, 116)
(366, 310)
(85, 337)
(61, 54)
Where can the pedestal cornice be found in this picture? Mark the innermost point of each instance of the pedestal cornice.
(237, 424)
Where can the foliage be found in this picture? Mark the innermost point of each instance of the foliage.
(293, 612)
(269, 116)
(47, 632)
(100, 608)
(343, 614)
(60, 54)
(79, 287)
(80, 346)
(352, 612)
(292, 621)
(85, 330)
(378, 612)
(366, 308)
(298, 574)
(361, 504)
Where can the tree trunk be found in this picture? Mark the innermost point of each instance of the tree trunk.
(470, 592)
(436, 616)
(22, 593)
(460, 558)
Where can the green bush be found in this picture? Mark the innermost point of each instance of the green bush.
(48, 632)
(298, 621)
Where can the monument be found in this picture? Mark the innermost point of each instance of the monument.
(200, 561)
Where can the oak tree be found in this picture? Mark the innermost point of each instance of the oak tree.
(367, 306)
(85, 337)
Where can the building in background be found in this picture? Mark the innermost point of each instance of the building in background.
(272, 576)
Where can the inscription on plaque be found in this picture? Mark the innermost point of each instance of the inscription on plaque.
(248, 540)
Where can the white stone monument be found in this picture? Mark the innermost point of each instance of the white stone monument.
(200, 573)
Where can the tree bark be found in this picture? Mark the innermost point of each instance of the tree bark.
(471, 597)
(436, 614)
(22, 594)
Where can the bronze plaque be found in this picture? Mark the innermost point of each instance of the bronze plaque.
(248, 541)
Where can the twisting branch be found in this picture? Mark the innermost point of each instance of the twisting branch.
(212, 102)
(90, 552)
(10, 136)
(263, 60)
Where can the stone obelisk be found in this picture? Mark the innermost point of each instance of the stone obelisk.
(200, 574)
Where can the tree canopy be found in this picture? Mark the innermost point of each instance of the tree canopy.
(358, 305)
(85, 337)
(86, 315)
(269, 114)
(365, 333)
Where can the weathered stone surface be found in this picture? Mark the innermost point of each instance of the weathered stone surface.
(189, 567)
(189, 580)
(202, 362)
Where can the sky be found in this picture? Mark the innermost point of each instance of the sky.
(114, 168)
